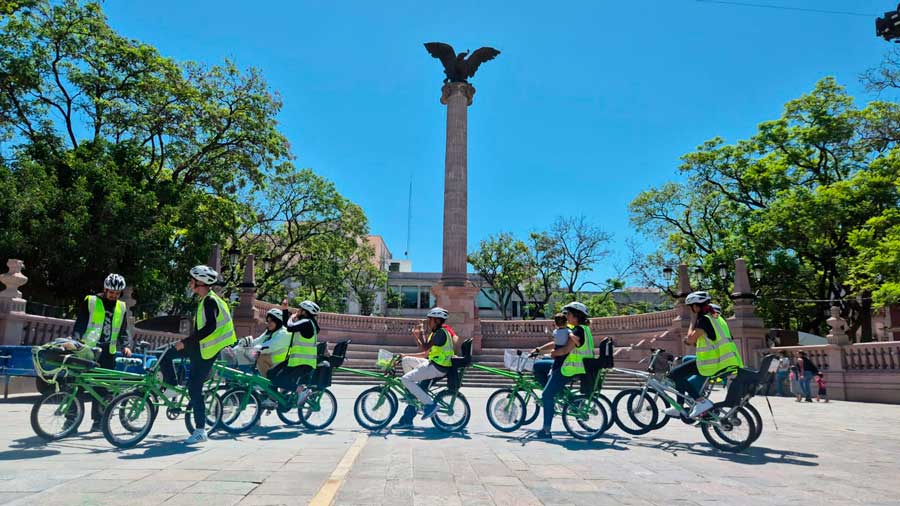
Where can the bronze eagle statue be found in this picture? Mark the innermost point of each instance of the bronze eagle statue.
(458, 67)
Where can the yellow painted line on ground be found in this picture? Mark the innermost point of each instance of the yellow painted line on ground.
(326, 494)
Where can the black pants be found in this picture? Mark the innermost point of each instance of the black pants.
(200, 369)
(288, 378)
(106, 361)
(680, 376)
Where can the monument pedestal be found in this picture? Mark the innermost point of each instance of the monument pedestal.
(459, 301)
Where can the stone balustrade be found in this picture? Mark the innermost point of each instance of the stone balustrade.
(37, 330)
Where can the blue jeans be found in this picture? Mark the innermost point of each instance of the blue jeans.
(780, 377)
(554, 385)
(542, 370)
(804, 384)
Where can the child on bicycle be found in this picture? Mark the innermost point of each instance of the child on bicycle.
(561, 336)
(439, 349)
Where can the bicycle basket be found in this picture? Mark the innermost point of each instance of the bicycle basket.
(743, 384)
(385, 359)
(512, 361)
(322, 376)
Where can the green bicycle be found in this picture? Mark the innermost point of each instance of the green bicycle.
(130, 416)
(375, 407)
(508, 408)
(59, 413)
(243, 402)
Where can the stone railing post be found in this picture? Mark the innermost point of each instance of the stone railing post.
(682, 321)
(12, 305)
(747, 329)
(836, 375)
(245, 315)
(215, 261)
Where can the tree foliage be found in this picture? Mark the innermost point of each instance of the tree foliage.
(790, 198)
(502, 264)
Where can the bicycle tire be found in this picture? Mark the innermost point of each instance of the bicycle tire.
(514, 409)
(591, 432)
(607, 404)
(231, 410)
(622, 416)
(70, 423)
(729, 442)
(113, 412)
(284, 414)
(326, 398)
(648, 416)
(363, 414)
(442, 420)
(757, 420)
(529, 418)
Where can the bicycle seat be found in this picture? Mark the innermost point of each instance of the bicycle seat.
(338, 353)
(466, 358)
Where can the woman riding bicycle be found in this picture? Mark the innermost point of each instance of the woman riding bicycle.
(716, 351)
(273, 343)
(568, 360)
(297, 370)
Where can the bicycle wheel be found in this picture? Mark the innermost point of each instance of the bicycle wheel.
(731, 434)
(528, 417)
(240, 410)
(213, 413)
(57, 415)
(584, 418)
(757, 420)
(643, 411)
(622, 413)
(128, 419)
(607, 404)
(505, 410)
(319, 410)
(453, 411)
(374, 408)
(289, 415)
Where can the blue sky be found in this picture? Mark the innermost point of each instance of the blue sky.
(589, 103)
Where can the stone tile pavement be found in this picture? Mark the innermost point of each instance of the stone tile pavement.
(821, 454)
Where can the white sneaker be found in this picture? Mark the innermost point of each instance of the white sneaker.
(302, 396)
(701, 407)
(199, 436)
(673, 412)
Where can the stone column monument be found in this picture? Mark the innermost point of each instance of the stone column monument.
(455, 292)
(747, 328)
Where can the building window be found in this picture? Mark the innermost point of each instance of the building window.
(424, 298)
(483, 302)
(410, 297)
(394, 267)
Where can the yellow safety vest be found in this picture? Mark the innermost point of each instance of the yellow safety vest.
(574, 363)
(441, 355)
(714, 356)
(223, 335)
(96, 315)
(302, 350)
(282, 355)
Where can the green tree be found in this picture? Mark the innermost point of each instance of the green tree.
(502, 263)
(546, 264)
(119, 158)
(789, 198)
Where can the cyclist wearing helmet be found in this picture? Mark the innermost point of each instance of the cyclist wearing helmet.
(297, 370)
(274, 342)
(213, 331)
(568, 360)
(716, 351)
(102, 322)
(438, 348)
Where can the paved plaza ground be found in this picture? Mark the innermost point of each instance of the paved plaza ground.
(821, 454)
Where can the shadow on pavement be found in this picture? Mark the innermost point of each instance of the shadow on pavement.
(562, 439)
(424, 433)
(35, 453)
(278, 433)
(755, 455)
(161, 449)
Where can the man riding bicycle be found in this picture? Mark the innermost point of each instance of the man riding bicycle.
(716, 351)
(213, 331)
(439, 350)
(102, 322)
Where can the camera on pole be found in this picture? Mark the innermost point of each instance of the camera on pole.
(888, 27)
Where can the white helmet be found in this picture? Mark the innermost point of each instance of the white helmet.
(438, 312)
(577, 306)
(310, 306)
(114, 282)
(275, 314)
(205, 274)
(717, 308)
(698, 298)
